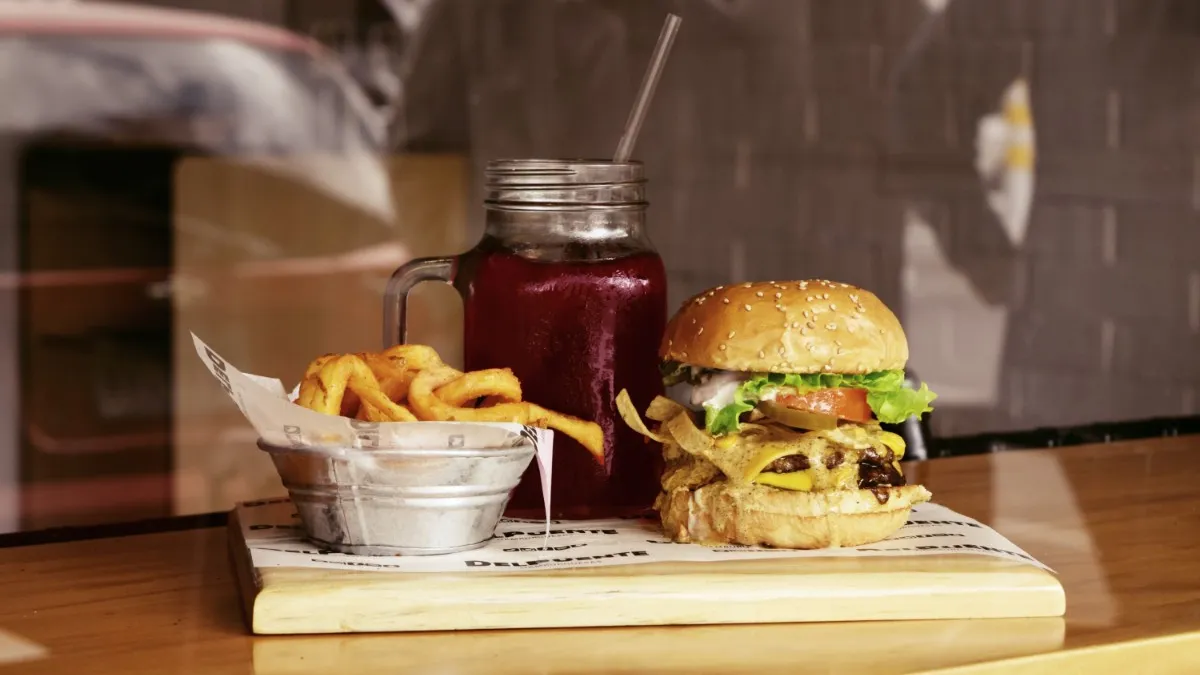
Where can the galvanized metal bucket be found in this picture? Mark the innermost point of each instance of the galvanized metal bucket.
(400, 501)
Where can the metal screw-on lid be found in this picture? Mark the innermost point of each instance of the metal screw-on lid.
(524, 184)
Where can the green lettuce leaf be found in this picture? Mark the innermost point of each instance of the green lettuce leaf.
(893, 407)
(889, 399)
(720, 421)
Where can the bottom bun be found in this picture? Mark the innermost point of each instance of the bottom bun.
(753, 515)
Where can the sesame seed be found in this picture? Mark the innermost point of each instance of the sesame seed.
(803, 285)
(827, 367)
(811, 347)
(806, 313)
(854, 298)
(781, 308)
(782, 351)
(881, 331)
(759, 294)
(824, 296)
(832, 307)
(809, 298)
(670, 342)
(730, 336)
(722, 348)
(860, 308)
(778, 295)
(683, 354)
(700, 331)
(762, 354)
(725, 300)
(747, 307)
(811, 324)
(700, 301)
(831, 326)
(694, 323)
(747, 285)
(840, 350)
(804, 331)
(795, 324)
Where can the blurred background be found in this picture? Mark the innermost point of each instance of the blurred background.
(1018, 179)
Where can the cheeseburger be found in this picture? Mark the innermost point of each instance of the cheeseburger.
(772, 435)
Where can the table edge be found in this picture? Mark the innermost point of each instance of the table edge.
(161, 525)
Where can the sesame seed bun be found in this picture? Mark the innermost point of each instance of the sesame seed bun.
(809, 326)
(754, 515)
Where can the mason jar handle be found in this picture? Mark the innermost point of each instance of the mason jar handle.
(395, 296)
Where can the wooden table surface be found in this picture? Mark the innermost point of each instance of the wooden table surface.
(1120, 523)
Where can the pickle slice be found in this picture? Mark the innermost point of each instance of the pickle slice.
(801, 419)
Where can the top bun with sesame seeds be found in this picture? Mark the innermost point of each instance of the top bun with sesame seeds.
(808, 326)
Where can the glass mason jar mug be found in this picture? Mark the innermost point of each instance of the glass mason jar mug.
(565, 289)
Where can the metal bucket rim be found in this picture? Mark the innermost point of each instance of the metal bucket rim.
(526, 448)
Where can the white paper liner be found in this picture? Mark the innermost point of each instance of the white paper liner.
(275, 540)
(279, 421)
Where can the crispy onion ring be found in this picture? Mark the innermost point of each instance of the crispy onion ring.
(394, 378)
(325, 391)
(428, 406)
(349, 405)
(377, 407)
(318, 363)
(499, 385)
(413, 357)
(411, 383)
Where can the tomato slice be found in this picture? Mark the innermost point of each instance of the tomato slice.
(841, 402)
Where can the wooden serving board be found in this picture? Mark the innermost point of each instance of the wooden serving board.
(294, 600)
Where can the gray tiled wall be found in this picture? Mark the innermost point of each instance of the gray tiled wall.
(789, 137)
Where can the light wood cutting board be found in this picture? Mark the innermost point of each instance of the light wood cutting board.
(281, 600)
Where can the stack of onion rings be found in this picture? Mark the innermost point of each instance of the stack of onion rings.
(411, 383)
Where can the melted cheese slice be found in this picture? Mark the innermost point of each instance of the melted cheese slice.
(814, 445)
(742, 458)
(800, 481)
(895, 443)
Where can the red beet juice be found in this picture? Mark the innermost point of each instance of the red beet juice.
(575, 333)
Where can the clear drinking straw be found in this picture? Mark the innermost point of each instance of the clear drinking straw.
(649, 83)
